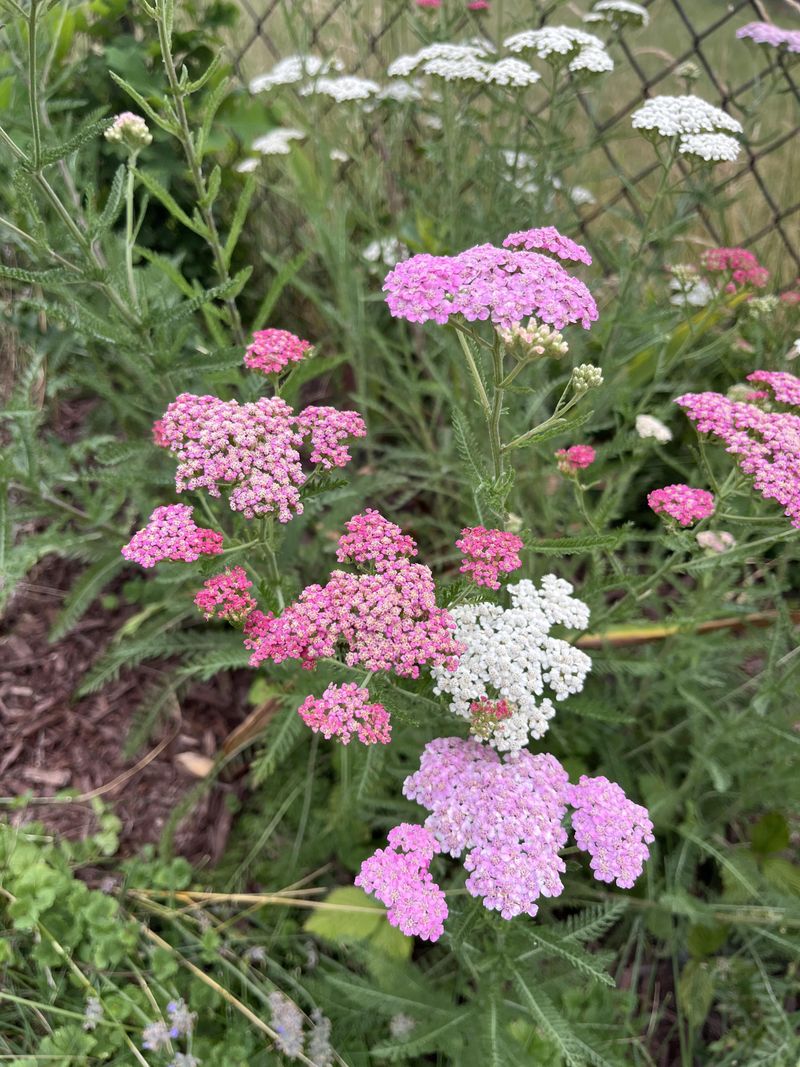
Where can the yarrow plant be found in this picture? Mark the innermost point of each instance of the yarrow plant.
(272, 350)
(489, 553)
(682, 503)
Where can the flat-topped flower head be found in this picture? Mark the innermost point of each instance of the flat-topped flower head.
(253, 449)
(673, 116)
(575, 458)
(509, 654)
(548, 239)
(769, 34)
(710, 147)
(226, 596)
(272, 350)
(765, 443)
(345, 710)
(451, 54)
(559, 45)
(740, 264)
(489, 553)
(488, 283)
(619, 13)
(682, 503)
(343, 89)
(291, 70)
(371, 538)
(508, 816)
(400, 878)
(612, 829)
(649, 426)
(172, 534)
(277, 142)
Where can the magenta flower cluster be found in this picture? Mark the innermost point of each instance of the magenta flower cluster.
(387, 620)
(612, 829)
(226, 596)
(768, 33)
(548, 239)
(742, 266)
(253, 449)
(172, 534)
(575, 458)
(371, 538)
(272, 350)
(766, 443)
(508, 816)
(489, 553)
(682, 503)
(399, 876)
(344, 710)
(488, 283)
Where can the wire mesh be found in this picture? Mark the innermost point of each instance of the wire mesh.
(734, 75)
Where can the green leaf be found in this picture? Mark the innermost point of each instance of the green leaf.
(770, 833)
(366, 922)
(575, 956)
(421, 1040)
(239, 217)
(696, 991)
(84, 591)
(550, 1021)
(113, 203)
(285, 275)
(89, 132)
(568, 546)
(159, 120)
(167, 200)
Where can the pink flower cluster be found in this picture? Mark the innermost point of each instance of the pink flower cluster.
(682, 503)
(387, 620)
(399, 876)
(767, 443)
(612, 829)
(344, 710)
(371, 538)
(172, 534)
(272, 350)
(486, 282)
(575, 458)
(226, 596)
(509, 816)
(743, 267)
(489, 553)
(767, 33)
(328, 428)
(548, 239)
(252, 448)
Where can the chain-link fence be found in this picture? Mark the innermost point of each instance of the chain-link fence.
(690, 45)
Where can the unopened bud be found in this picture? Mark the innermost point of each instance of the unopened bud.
(586, 377)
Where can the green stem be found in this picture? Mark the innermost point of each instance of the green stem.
(129, 230)
(480, 388)
(33, 88)
(196, 169)
(495, 442)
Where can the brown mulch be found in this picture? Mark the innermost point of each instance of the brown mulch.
(50, 741)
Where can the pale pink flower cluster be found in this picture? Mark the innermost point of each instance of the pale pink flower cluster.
(371, 538)
(328, 428)
(575, 458)
(226, 596)
(548, 239)
(767, 33)
(172, 534)
(612, 829)
(489, 553)
(509, 815)
(767, 443)
(272, 350)
(387, 620)
(742, 266)
(399, 876)
(682, 503)
(252, 448)
(492, 283)
(344, 710)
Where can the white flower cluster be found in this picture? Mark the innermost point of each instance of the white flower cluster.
(510, 655)
(465, 62)
(277, 142)
(587, 52)
(347, 87)
(682, 116)
(690, 290)
(386, 250)
(402, 92)
(293, 69)
(618, 13)
(712, 147)
(650, 426)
